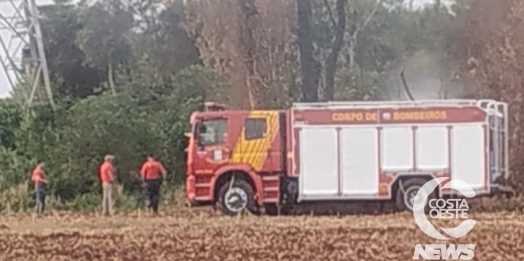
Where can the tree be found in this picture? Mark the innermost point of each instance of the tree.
(70, 76)
(338, 43)
(309, 65)
(487, 46)
(250, 42)
(104, 36)
(163, 42)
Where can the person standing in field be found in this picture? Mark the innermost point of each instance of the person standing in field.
(107, 176)
(150, 173)
(38, 177)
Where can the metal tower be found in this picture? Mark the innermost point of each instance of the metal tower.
(23, 59)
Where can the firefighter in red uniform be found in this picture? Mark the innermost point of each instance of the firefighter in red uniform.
(150, 173)
(38, 177)
(107, 176)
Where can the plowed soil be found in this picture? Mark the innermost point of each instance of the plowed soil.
(202, 235)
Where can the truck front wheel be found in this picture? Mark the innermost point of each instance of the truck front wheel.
(235, 199)
(407, 191)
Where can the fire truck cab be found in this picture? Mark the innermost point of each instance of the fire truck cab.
(344, 151)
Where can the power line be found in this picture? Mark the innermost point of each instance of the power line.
(27, 59)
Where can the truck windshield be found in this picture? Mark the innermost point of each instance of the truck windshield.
(212, 132)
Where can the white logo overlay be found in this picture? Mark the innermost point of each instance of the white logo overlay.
(443, 209)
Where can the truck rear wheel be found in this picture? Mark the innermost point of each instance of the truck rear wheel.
(235, 200)
(407, 191)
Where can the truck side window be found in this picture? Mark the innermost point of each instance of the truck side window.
(254, 128)
(212, 132)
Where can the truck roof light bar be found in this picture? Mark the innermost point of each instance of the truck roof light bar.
(213, 106)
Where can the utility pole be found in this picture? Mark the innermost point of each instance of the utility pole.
(23, 59)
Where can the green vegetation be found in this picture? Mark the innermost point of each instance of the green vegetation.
(127, 74)
(74, 138)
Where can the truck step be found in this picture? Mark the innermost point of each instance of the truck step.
(271, 200)
(270, 178)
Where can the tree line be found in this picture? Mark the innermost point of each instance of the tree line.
(126, 74)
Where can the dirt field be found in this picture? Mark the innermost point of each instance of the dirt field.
(202, 235)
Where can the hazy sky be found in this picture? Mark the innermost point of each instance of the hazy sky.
(7, 10)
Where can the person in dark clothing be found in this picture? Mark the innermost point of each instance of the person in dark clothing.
(150, 173)
(38, 177)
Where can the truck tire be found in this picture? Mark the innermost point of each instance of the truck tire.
(405, 198)
(236, 200)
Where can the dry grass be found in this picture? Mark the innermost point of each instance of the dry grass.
(203, 235)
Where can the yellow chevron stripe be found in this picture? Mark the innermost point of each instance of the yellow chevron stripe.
(270, 136)
(254, 152)
(259, 148)
(239, 152)
(244, 149)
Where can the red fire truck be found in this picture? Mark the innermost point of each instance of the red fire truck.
(342, 151)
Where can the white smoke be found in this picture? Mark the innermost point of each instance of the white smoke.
(427, 78)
